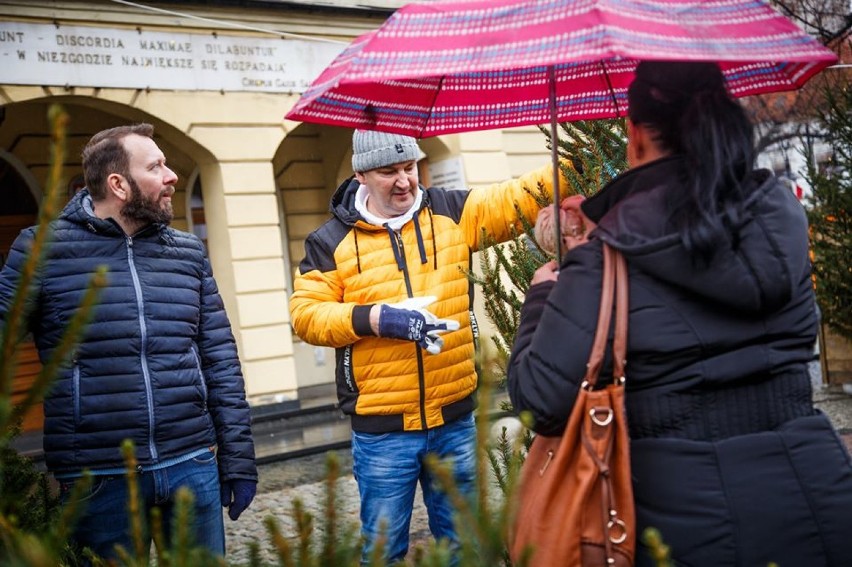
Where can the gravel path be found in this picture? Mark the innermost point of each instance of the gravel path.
(283, 482)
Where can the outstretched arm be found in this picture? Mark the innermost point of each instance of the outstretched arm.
(494, 209)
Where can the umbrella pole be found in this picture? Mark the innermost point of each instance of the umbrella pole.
(554, 156)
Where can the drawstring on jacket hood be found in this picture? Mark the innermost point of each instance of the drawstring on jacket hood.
(349, 205)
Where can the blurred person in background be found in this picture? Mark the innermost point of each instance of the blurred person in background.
(157, 364)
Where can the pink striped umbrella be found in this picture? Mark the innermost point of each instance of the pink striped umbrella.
(442, 67)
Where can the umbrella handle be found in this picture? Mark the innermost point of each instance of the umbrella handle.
(554, 156)
(611, 90)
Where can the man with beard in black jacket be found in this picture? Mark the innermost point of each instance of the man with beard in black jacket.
(157, 363)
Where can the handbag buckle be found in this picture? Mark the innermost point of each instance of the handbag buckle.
(601, 421)
(620, 532)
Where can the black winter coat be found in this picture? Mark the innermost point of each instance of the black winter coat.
(730, 460)
(157, 364)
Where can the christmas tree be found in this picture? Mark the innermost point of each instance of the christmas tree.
(830, 213)
(592, 153)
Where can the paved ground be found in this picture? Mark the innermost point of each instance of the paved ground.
(283, 482)
(838, 406)
(280, 483)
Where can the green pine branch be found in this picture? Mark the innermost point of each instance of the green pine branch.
(830, 214)
(592, 153)
(14, 325)
(33, 527)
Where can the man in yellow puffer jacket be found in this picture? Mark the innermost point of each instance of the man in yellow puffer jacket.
(405, 375)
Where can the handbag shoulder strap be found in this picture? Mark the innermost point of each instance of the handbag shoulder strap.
(614, 289)
(622, 293)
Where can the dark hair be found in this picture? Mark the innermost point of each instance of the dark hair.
(690, 113)
(104, 155)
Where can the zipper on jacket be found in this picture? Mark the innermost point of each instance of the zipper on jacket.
(421, 376)
(75, 387)
(143, 351)
(403, 263)
(200, 375)
(422, 386)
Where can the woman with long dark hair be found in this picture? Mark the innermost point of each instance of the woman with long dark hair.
(730, 460)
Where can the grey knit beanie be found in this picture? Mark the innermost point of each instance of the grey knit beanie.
(371, 149)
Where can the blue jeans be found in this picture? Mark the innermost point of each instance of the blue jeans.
(388, 467)
(105, 521)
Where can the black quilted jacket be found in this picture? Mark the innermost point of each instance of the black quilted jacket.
(158, 363)
(746, 321)
(730, 461)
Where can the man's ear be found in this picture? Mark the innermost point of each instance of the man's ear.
(116, 185)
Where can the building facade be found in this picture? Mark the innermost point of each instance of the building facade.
(215, 79)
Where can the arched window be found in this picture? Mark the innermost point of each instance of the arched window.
(18, 206)
(195, 207)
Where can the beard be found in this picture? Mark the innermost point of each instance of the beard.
(144, 209)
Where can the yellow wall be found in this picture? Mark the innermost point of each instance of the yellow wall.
(266, 182)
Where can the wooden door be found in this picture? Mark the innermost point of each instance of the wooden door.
(28, 365)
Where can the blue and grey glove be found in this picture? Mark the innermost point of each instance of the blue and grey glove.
(407, 320)
(236, 495)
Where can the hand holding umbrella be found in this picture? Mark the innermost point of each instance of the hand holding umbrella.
(574, 225)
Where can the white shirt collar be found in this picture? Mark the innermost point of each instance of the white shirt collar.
(394, 223)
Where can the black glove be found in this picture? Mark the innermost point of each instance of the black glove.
(237, 494)
(407, 320)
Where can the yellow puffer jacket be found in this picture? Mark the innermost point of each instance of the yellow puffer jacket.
(387, 384)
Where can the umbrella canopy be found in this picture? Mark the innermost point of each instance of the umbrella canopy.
(443, 67)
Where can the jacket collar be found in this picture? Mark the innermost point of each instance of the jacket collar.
(643, 178)
(80, 210)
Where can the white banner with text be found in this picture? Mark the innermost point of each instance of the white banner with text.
(83, 56)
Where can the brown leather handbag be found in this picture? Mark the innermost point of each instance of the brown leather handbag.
(575, 505)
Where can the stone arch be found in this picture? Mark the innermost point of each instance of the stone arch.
(306, 168)
(196, 218)
(22, 173)
(24, 135)
(25, 150)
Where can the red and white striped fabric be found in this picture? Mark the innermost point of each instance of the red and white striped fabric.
(441, 67)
